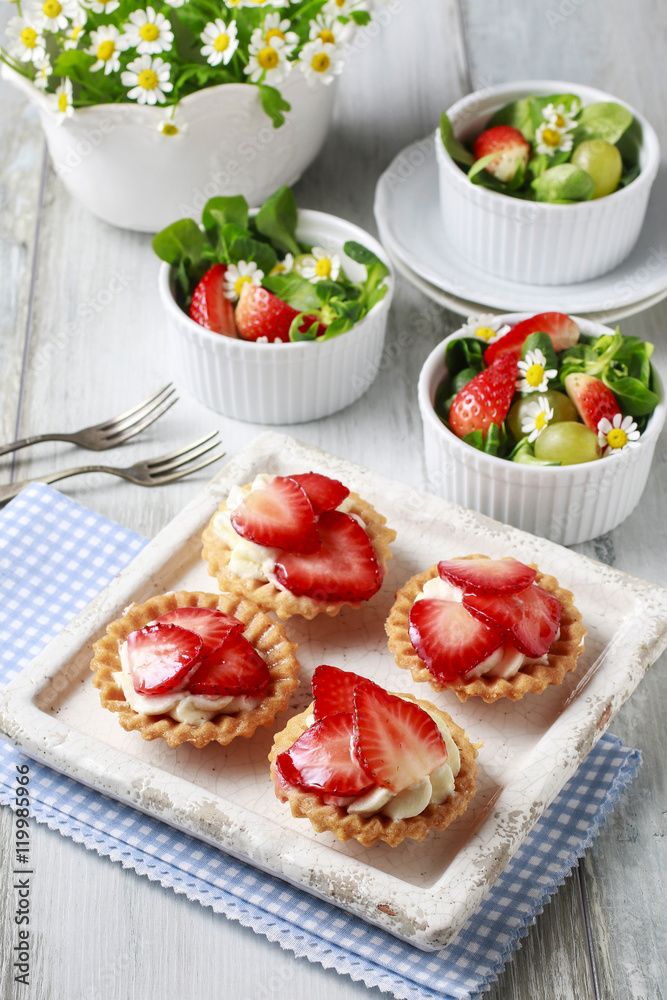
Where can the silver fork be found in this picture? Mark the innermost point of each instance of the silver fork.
(110, 432)
(153, 472)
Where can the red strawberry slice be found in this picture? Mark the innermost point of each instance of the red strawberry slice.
(323, 493)
(344, 569)
(209, 307)
(592, 398)
(210, 625)
(562, 330)
(529, 618)
(160, 657)
(280, 515)
(510, 146)
(449, 639)
(487, 576)
(486, 399)
(397, 742)
(333, 690)
(323, 761)
(235, 668)
(260, 313)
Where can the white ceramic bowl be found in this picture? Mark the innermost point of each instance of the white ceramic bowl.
(528, 241)
(282, 383)
(112, 158)
(567, 504)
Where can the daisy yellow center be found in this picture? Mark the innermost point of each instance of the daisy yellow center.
(169, 129)
(105, 50)
(534, 375)
(551, 137)
(29, 38)
(617, 438)
(327, 36)
(485, 332)
(75, 32)
(221, 42)
(149, 31)
(340, 3)
(273, 33)
(559, 121)
(62, 103)
(320, 62)
(323, 267)
(240, 282)
(148, 79)
(268, 58)
(278, 269)
(52, 8)
(541, 421)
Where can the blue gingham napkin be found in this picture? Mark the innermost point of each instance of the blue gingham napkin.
(55, 556)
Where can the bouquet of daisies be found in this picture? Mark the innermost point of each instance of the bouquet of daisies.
(84, 52)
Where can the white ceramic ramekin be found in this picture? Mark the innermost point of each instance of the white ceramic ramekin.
(282, 383)
(567, 504)
(528, 241)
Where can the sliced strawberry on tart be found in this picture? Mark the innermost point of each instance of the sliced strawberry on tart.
(491, 628)
(300, 544)
(371, 765)
(195, 668)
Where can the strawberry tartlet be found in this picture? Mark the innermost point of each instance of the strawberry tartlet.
(372, 766)
(487, 628)
(301, 544)
(195, 668)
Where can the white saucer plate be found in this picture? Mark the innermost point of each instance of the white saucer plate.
(408, 218)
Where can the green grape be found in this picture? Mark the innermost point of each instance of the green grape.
(603, 162)
(569, 443)
(561, 404)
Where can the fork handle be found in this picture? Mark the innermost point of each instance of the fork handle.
(10, 491)
(6, 449)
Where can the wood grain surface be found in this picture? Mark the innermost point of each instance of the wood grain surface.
(71, 353)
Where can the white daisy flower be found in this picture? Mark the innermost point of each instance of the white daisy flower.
(29, 44)
(107, 44)
(62, 100)
(343, 8)
(101, 6)
(175, 3)
(615, 435)
(536, 417)
(329, 29)
(148, 79)
(321, 61)
(319, 265)
(237, 275)
(53, 15)
(484, 325)
(149, 32)
(275, 27)
(267, 62)
(74, 29)
(283, 266)
(258, 3)
(553, 135)
(220, 41)
(44, 71)
(533, 372)
(172, 125)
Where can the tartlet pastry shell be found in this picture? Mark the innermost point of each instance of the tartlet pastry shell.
(369, 830)
(269, 597)
(530, 679)
(267, 636)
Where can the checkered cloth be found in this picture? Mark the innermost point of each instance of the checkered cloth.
(55, 556)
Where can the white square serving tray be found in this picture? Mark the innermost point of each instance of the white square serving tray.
(421, 892)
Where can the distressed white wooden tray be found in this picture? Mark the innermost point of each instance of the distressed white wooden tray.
(424, 892)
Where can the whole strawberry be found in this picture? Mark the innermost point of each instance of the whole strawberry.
(486, 399)
(510, 148)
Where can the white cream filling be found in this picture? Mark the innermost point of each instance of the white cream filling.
(248, 560)
(180, 705)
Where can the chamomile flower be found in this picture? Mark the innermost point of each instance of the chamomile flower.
(175, 3)
(101, 6)
(148, 79)
(237, 275)
(615, 435)
(553, 135)
(258, 3)
(29, 44)
(485, 325)
(106, 45)
(319, 265)
(283, 266)
(329, 29)
(321, 61)
(172, 125)
(343, 8)
(53, 15)
(149, 32)
(74, 29)
(43, 72)
(536, 417)
(275, 27)
(268, 62)
(220, 41)
(62, 100)
(533, 372)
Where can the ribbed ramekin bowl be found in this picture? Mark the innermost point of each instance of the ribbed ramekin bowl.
(282, 383)
(567, 504)
(533, 242)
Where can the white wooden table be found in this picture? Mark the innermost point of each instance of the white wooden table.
(69, 357)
